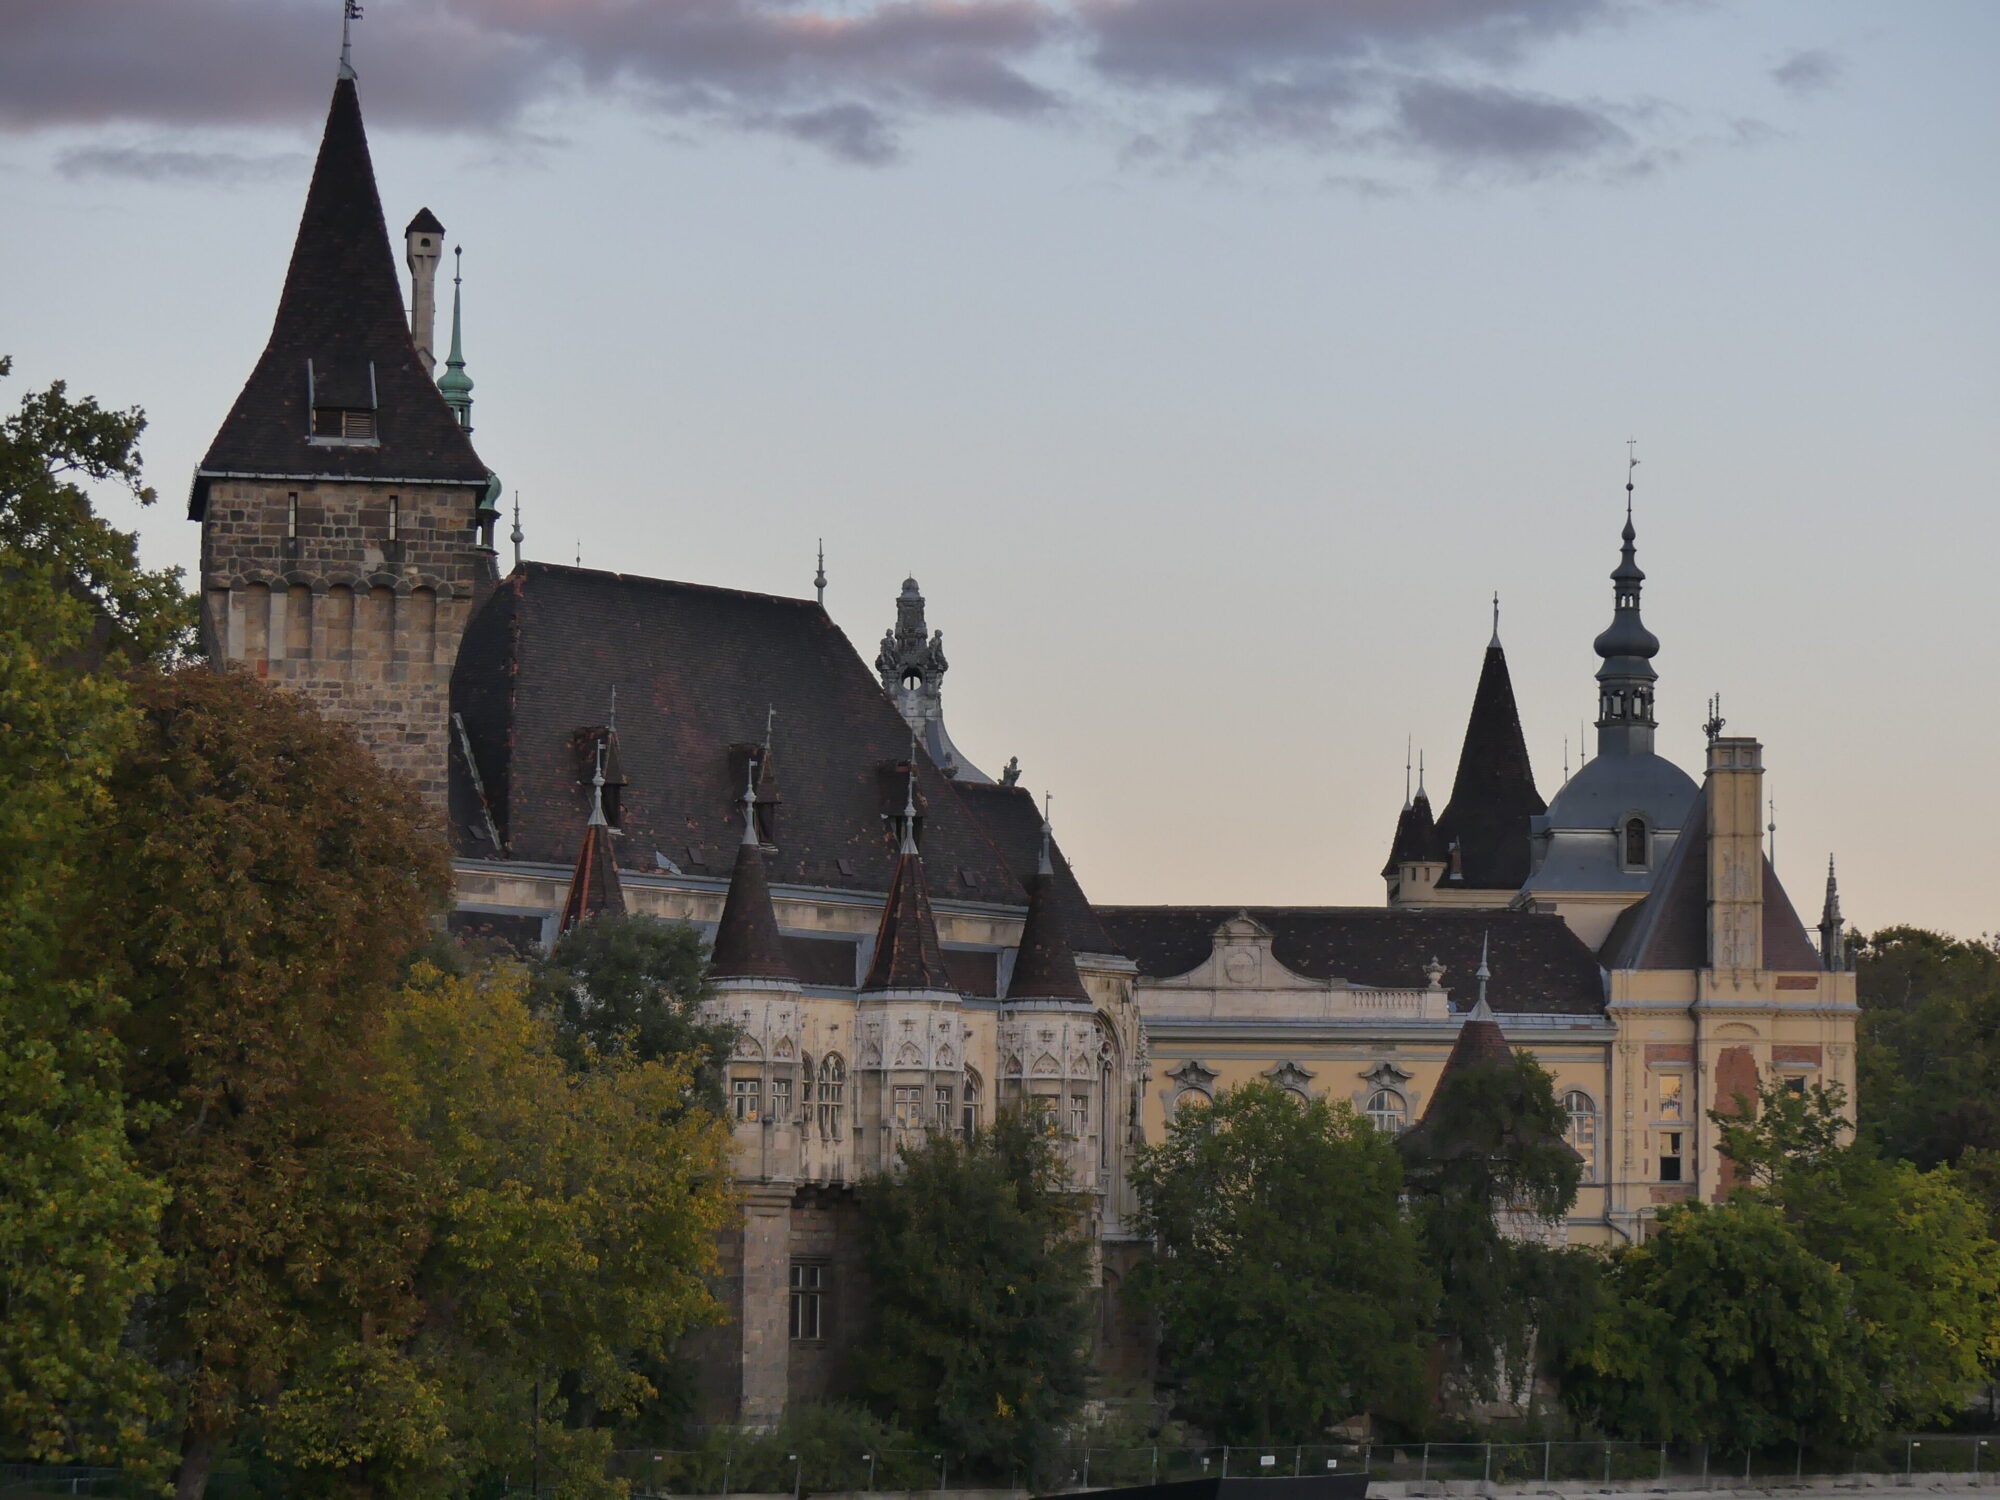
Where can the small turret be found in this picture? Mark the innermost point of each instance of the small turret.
(908, 956)
(423, 246)
(1044, 965)
(912, 668)
(748, 946)
(1627, 647)
(593, 885)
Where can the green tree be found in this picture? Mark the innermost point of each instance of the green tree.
(1291, 1290)
(1488, 1162)
(49, 446)
(1722, 1327)
(576, 1215)
(1914, 1247)
(979, 1264)
(1928, 1059)
(254, 886)
(632, 985)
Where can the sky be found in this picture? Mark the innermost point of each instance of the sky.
(1211, 363)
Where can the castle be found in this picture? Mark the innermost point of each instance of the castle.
(895, 934)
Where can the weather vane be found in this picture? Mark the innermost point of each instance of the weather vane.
(350, 12)
(1713, 727)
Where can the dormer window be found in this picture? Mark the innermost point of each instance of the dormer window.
(1638, 854)
(352, 423)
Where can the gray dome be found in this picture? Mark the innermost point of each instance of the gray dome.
(1613, 787)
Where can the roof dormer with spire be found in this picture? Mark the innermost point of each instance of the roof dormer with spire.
(593, 886)
(911, 665)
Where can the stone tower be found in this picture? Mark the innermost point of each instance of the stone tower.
(343, 536)
(911, 665)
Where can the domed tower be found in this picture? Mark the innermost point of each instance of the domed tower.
(1602, 842)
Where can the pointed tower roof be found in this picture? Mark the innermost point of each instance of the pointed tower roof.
(340, 340)
(1044, 965)
(1832, 930)
(455, 385)
(593, 886)
(1480, 1039)
(907, 953)
(747, 942)
(1416, 835)
(1494, 795)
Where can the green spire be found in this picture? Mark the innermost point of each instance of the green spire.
(455, 383)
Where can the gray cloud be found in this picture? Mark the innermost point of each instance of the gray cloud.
(1209, 78)
(1809, 71)
(149, 164)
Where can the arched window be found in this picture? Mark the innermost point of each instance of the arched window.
(1191, 1099)
(1636, 853)
(806, 1091)
(1581, 1132)
(1387, 1111)
(968, 1115)
(832, 1088)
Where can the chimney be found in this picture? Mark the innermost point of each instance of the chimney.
(1735, 854)
(423, 246)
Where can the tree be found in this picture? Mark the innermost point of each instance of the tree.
(1723, 1328)
(254, 886)
(576, 1215)
(1915, 1247)
(49, 444)
(979, 1262)
(77, 1214)
(632, 985)
(1487, 1168)
(1291, 1290)
(1928, 1061)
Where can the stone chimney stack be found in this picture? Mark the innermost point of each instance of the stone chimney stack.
(423, 247)
(1735, 854)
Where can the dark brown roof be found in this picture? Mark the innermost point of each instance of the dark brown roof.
(425, 222)
(1669, 929)
(696, 669)
(747, 942)
(342, 310)
(907, 955)
(1044, 966)
(1494, 795)
(1480, 1040)
(593, 887)
(1014, 824)
(1416, 835)
(1539, 966)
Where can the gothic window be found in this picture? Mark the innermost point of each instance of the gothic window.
(1387, 1111)
(907, 1102)
(808, 1297)
(1079, 1116)
(945, 1095)
(746, 1098)
(968, 1115)
(832, 1085)
(781, 1100)
(1636, 854)
(1581, 1132)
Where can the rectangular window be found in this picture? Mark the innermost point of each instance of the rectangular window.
(943, 1095)
(292, 515)
(968, 1118)
(808, 1290)
(907, 1100)
(1671, 1085)
(1796, 1084)
(395, 518)
(746, 1095)
(781, 1100)
(1670, 1156)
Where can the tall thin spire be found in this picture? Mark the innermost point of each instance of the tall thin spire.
(750, 802)
(455, 384)
(518, 536)
(1627, 648)
(908, 844)
(1484, 973)
(1044, 864)
(1408, 741)
(597, 819)
(819, 575)
(1496, 619)
(1832, 930)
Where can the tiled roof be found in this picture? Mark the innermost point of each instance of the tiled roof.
(1014, 824)
(342, 310)
(1044, 966)
(1669, 929)
(696, 671)
(1494, 794)
(907, 954)
(748, 944)
(1539, 966)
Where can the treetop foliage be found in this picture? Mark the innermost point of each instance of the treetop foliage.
(1928, 1063)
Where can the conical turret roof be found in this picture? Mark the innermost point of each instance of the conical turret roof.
(748, 944)
(907, 953)
(340, 340)
(1416, 838)
(1044, 965)
(1494, 795)
(593, 885)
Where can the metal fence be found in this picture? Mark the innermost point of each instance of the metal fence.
(758, 1468)
(59, 1479)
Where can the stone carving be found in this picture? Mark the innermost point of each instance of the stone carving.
(1192, 1075)
(1289, 1075)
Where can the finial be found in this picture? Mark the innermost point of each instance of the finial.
(1631, 463)
(1496, 619)
(819, 577)
(1420, 773)
(1045, 865)
(1713, 725)
(597, 791)
(579, 552)
(1484, 973)
(1772, 829)
(1408, 740)
(518, 535)
(350, 12)
(455, 385)
(611, 723)
(770, 718)
(909, 843)
(750, 801)
(1565, 760)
